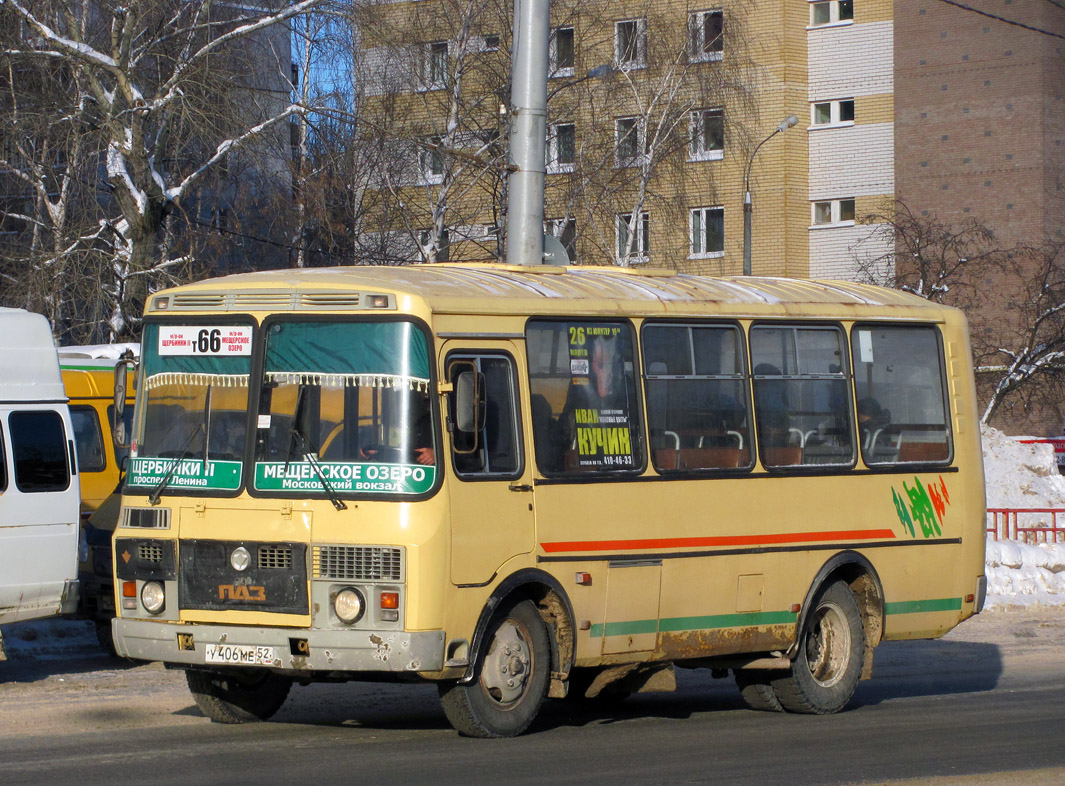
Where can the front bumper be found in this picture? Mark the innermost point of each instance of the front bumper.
(325, 650)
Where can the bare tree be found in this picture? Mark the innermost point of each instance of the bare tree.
(1018, 350)
(168, 93)
(435, 98)
(678, 80)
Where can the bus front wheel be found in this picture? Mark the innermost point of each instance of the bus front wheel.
(238, 697)
(511, 680)
(827, 667)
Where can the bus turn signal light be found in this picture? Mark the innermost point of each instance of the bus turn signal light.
(389, 600)
(129, 589)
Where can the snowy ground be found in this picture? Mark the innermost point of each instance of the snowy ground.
(1022, 476)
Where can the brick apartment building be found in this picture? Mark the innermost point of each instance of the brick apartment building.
(954, 113)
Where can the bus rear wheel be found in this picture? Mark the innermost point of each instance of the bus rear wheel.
(828, 665)
(757, 690)
(511, 681)
(238, 697)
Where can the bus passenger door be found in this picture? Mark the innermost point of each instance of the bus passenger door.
(491, 487)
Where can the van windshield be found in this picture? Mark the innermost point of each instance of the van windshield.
(193, 413)
(345, 408)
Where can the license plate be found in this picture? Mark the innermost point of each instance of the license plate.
(239, 654)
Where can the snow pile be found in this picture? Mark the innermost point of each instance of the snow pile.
(99, 351)
(1022, 476)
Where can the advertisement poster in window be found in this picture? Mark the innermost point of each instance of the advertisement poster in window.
(598, 402)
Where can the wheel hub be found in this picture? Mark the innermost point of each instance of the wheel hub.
(505, 672)
(828, 645)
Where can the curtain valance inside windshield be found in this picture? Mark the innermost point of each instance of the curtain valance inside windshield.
(380, 355)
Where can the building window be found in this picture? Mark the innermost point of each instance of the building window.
(829, 12)
(562, 52)
(425, 245)
(825, 113)
(434, 66)
(831, 212)
(630, 43)
(431, 162)
(641, 245)
(628, 141)
(706, 34)
(707, 235)
(565, 230)
(491, 42)
(707, 140)
(561, 147)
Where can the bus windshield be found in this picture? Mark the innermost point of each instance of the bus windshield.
(345, 408)
(192, 419)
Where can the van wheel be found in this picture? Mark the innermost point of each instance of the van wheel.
(511, 680)
(828, 665)
(238, 697)
(757, 690)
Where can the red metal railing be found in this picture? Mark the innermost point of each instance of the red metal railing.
(1031, 525)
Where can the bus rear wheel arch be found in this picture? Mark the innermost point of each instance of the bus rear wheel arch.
(828, 664)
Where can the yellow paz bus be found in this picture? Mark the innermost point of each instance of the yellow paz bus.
(523, 482)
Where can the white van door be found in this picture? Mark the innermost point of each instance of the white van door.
(39, 507)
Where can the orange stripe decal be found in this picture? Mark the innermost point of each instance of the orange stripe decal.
(728, 540)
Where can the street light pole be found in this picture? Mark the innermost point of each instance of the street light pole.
(748, 208)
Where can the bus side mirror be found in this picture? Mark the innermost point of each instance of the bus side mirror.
(468, 408)
(125, 365)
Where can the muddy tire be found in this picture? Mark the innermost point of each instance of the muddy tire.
(828, 665)
(238, 697)
(756, 689)
(511, 681)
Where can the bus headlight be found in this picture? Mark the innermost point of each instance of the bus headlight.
(349, 605)
(152, 597)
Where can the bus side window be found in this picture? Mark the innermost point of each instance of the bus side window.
(585, 372)
(901, 394)
(801, 396)
(696, 397)
(498, 451)
(88, 439)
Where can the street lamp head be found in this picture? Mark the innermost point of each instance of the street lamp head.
(789, 121)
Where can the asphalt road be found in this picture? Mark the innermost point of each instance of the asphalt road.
(985, 705)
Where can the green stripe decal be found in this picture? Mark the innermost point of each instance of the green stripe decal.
(677, 624)
(923, 606)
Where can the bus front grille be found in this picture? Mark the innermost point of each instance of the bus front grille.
(357, 563)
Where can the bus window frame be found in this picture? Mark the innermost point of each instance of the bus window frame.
(254, 402)
(745, 379)
(910, 466)
(848, 378)
(519, 432)
(66, 446)
(140, 403)
(3, 455)
(627, 474)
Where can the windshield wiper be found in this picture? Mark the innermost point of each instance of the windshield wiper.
(153, 498)
(311, 456)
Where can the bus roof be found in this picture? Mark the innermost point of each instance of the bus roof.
(501, 289)
(29, 368)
